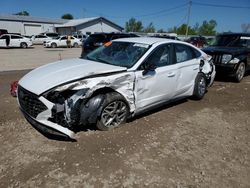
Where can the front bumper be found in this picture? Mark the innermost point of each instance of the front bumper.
(37, 110)
(226, 69)
(49, 129)
(48, 45)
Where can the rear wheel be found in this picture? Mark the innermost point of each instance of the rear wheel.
(240, 72)
(199, 87)
(114, 112)
(23, 45)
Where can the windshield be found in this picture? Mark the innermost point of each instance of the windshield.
(124, 54)
(228, 40)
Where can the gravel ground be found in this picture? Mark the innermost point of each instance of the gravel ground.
(187, 144)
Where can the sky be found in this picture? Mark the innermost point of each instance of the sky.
(164, 14)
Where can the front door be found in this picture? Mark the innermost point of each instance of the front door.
(3, 41)
(157, 85)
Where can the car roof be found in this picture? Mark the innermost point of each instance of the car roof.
(10, 34)
(145, 40)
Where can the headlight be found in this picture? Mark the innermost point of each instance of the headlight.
(226, 58)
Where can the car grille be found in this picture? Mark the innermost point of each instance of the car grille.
(30, 103)
(217, 58)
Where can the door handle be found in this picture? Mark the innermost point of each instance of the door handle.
(195, 68)
(171, 74)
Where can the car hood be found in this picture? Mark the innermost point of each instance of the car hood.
(223, 50)
(51, 75)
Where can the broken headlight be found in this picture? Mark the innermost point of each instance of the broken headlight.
(61, 93)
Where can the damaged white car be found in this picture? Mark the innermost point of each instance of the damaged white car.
(120, 79)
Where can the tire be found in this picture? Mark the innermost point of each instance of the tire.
(240, 72)
(200, 87)
(114, 112)
(53, 45)
(75, 45)
(23, 45)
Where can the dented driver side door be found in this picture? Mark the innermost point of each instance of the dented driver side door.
(157, 85)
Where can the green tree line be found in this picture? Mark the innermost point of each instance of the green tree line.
(206, 28)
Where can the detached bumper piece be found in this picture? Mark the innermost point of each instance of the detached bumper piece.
(31, 107)
(49, 132)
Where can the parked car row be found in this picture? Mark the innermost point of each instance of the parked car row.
(62, 42)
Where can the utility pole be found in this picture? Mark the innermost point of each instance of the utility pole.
(189, 11)
(83, 12)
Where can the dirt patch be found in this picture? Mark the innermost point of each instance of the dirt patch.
(188, 144)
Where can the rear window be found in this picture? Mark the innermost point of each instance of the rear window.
(52, 34)
(16, 37)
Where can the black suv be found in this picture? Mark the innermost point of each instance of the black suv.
(96, 40)
(231, 54)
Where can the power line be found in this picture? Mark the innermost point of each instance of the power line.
(218, 5)
(145, 15)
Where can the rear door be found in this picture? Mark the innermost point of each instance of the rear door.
(188, 62)
(15, 40)
(159, 84)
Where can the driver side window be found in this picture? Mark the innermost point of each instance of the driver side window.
(160, 57)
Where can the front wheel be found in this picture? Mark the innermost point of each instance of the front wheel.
(199, 87)
(53, 45)
(75, 45)
(114, 112)
(240, 72)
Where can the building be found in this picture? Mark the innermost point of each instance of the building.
(88, 26)
(28, 25)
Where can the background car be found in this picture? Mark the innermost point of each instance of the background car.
(40, 39)
(62, 42)
(81, 37)
(231, 54)
(10, 40)
(51, 35)
(3, 31)
(197, 41)
(95, 40)
(118, 80)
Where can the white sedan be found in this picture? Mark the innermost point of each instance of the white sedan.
(62, 42)
(11, 40)
(118, 80)
(40, 39)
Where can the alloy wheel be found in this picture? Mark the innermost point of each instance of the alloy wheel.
(114, 114)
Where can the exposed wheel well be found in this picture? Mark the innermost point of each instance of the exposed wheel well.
(108, 90)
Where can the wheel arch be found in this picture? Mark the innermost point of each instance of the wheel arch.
(105, 90)
(91, 108)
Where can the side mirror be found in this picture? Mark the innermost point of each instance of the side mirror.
(148, 67)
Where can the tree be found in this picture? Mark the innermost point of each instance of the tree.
(207, 28)
(182, 30)
(161, 31)
(67, 16)
(133, 26)
(150, 28)
(22, 13)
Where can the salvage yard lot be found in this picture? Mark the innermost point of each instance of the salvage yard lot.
(186, 144)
